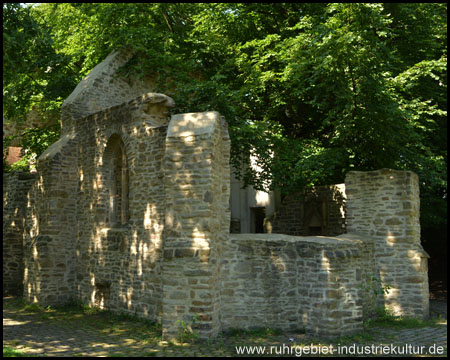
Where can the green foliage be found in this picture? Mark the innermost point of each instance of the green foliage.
(21, 165)
(34, 307)
(386, 318)
(11, 352)
(35, 75)
(186, 332)
(373, 289)
(310, 90)
(35, 141)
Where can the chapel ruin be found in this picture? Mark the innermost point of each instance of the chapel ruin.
(130, 211)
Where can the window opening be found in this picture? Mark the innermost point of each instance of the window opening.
(118, 182)
(258, 215)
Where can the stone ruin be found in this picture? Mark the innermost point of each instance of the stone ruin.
(129, 211)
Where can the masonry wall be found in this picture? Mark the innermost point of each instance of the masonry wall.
(118, 266)
(50, 238)
(16, 186)
(385, 204)
(197, 186)
(161, 260)
(291, 283)
(101, 89)
(129, 211)
(72, 250)
(317, 211)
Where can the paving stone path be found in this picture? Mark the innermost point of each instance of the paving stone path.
(32, 334)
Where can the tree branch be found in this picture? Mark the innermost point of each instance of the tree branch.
(167, 21)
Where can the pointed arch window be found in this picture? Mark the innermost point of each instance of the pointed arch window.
(117, 182)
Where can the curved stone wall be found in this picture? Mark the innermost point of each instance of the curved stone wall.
(385, 204)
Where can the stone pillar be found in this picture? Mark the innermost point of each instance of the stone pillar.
(49, 243)
(16, 186)
(385, 204)
(197, 187)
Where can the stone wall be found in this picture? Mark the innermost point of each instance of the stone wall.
(101, 89)
(129, 211)
(170, 177)
(291, 283)
(385, 204)
(170, 258)
(49, 241)
(197, 186)
(317, 211)
(119, 264)
(116, 267)
(16, 186)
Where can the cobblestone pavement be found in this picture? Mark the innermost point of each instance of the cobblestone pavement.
(31, 334)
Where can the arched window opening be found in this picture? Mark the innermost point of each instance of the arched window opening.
(116, 166)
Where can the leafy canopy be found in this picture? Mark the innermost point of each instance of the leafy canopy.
(311, 90)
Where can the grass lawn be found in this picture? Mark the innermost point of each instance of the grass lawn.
(133, 336)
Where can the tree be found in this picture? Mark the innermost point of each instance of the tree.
(313, 90)
(34, 73)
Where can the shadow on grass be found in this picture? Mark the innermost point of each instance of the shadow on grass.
(385, 318)
(10, 352)
(76, 314)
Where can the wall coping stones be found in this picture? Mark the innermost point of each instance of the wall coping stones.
(136, 105)
(419, 251)
(112, 61)
(153, 98)
(344, 239)
(193, 124)
(102, 88)
(383, 171)
(56, 147)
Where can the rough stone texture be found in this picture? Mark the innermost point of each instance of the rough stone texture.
(129, 211)
(385, 204)
(317, 211)
(102, 88)
(115, 267)
(15, 188)
(171, 259)
(49, 239)
(290, 283)
(197, 186)
(118, 266)
(176, 190)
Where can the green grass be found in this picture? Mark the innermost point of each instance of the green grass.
(34, 307)
(15, 302)
(10, 352)
(385, 318)
(359, 338)
(255, 332)
(130, 326)
(78, 315)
